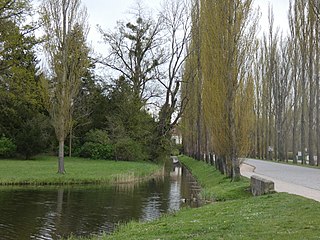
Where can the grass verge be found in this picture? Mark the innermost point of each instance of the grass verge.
(43, 171)
(276, 216)
(216, 186)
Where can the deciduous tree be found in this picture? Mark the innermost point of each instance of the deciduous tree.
(65, 26)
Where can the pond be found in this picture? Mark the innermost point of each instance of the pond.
(56, 212)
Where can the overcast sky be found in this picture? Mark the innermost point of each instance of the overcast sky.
(107, 12)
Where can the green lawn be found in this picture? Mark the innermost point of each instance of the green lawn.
(277, 216)
(238, 216)
(43, 171)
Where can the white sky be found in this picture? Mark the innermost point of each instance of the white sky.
(107, 12)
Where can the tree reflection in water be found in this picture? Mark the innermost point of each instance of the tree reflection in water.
(56, 212)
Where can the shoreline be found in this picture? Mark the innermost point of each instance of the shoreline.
(80, 171)
(235, 214)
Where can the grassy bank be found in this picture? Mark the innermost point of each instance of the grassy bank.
(278, 216)
(43, 171)
(240, 216)
(215, 185)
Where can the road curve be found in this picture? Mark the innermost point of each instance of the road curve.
(292, 179)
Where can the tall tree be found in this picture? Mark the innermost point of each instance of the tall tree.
(135, 52)
(13, 33)
(293, 23)
(311, 57)
(191, 88)
(175, 18)
(65, 26)
(20, 104)
(228, 41)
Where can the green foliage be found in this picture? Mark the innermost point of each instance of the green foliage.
(177, 149)
(19, 90)
(161, 147)
(96, 150)
(91, 104)
(97, 136)
(97, 145)
(127, 149)
(33, 137)
(7, 147)
(131, 128)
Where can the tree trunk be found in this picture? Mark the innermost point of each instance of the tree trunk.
(311, 100)
(318, 120)
(317, 94)
(311, 129)
(70, 142)
(61, 169)
(270, 157)
(303, 110)
(199, 76)
(235, 168)
(295, 123)
(234, 156)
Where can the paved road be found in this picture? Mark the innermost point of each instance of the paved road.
(287, 178)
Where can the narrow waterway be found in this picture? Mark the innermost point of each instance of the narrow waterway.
(56, 212)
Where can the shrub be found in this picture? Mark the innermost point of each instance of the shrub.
(97, 150)
(127, 149)
(97, 145)
(7, 147)
(97, 136)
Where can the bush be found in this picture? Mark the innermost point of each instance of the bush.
(7, 147)
(97, 151)
(97, 136)
(97, 145)
(127, 149)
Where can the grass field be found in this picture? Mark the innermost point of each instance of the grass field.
(43, 171)
(238, 216)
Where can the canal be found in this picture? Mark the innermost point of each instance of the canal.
(58, 212)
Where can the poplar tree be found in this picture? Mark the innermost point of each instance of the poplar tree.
(191, 88)
(65, 27)
(227, 46)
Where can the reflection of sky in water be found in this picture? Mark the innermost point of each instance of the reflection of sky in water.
(53, 213)
(151, 209)
(152, 206)
(174, 196)
(48, 228)
(175, 190)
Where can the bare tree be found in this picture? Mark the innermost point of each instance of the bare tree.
(136, 52)
(175, 17)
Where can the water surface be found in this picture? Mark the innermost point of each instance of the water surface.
(56, 212)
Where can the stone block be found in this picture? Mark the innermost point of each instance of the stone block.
(260, 186)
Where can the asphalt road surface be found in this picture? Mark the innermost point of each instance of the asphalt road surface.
(298, 180)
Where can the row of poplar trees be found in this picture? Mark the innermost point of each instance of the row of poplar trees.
(250, 96)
